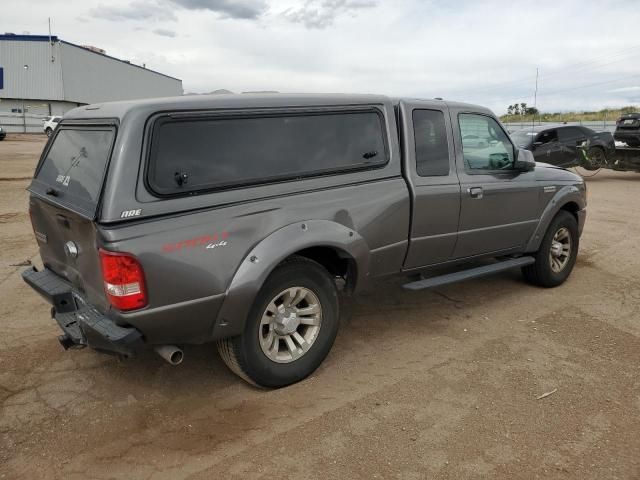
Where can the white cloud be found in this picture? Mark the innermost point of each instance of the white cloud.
(165, 32)
(625, 89)
(484, 52)
(322, 13)
(139, 10)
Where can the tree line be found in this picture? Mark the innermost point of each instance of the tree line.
(521, 109)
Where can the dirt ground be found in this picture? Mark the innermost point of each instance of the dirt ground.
(431, 384)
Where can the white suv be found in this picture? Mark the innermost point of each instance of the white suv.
(50, 124)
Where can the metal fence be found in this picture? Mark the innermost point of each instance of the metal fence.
(18, 123)
(608, 125)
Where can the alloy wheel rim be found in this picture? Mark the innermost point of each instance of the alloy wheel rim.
(560, 250)
(290, 324)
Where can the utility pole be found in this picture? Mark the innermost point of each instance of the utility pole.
(535, 101)
(53, 59)
(24, 114)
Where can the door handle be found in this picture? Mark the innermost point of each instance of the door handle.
(475, 192)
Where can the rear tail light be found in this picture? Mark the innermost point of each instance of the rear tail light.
(123, 280)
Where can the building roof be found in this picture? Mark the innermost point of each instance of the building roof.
(28, 38)
(54, 38)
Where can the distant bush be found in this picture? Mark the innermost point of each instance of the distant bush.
(606, 113)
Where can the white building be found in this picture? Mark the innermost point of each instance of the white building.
(41, 76)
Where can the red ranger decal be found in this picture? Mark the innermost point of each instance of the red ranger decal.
(195, 242)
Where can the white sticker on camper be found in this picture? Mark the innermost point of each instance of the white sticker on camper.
(130, 213)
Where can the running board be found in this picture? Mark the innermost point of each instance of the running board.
(469, 274)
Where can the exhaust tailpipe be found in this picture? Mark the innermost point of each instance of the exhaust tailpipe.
(66, 341)
(170, 353)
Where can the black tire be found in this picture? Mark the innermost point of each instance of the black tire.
(244, 354)
(542, 273)
(48, 131)
(597, 159)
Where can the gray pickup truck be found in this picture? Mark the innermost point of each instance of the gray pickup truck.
(245, 219)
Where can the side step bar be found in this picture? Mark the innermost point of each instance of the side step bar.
(469, 274)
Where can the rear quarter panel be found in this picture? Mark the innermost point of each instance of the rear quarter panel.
(191, 247)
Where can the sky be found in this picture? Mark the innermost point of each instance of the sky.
(486, 52)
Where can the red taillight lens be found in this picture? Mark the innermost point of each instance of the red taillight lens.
(123, 280)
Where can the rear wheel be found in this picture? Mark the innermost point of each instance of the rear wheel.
(557, 254)
(290, 328)
(48, 131)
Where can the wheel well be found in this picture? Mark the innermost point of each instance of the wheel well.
(337, 262)
(572, 208)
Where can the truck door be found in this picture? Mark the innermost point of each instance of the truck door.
(429, 165)
(499, 205)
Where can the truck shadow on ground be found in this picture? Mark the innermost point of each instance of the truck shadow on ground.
(371, 317)
(201, 406)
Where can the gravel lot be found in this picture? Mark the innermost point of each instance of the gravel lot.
(431, 384)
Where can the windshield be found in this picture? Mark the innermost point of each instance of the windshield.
(73, 169)
(523, 138)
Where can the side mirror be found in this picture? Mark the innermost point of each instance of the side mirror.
(524, 161)
(537, 144)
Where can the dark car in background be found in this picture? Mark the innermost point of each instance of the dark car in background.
(628, 129)
(3, 134)
(560, 145)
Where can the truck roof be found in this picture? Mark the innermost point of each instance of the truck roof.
(251, 100)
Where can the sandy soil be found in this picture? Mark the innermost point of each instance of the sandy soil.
(432, 384)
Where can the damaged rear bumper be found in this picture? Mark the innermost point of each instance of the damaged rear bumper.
(83, 325)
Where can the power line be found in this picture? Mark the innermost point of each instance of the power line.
(590, 85)
(554, 92)
(571, 67)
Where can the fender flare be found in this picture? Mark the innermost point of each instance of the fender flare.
(566, 194)
(264, 257)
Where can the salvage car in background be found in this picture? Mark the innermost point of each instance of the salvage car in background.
(628, 129)
(567, 145)
(49, 124)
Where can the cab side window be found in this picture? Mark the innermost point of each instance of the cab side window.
(432, 151)
(485, 146)
(547, 136)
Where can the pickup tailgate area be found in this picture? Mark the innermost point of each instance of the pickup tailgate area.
(68, 247)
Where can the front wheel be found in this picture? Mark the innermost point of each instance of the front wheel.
(557, 254)
(48, 131)
(290, 328)
(596, 159)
